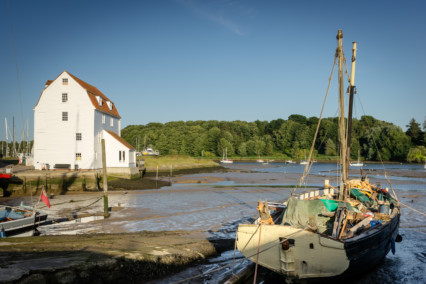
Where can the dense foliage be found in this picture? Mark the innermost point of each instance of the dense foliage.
(373, 139)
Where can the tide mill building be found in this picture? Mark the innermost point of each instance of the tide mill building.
(71, 118)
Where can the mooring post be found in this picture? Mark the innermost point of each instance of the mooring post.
(156, 178)
(105, 186)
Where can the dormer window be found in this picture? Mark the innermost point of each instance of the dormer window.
(109, 104)
(64, 81)
(99, 99)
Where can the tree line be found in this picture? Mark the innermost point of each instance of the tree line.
(373, 139)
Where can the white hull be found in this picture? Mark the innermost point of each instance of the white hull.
(311, 256)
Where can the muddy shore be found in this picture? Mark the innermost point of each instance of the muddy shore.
(101, 258)
(104, 248)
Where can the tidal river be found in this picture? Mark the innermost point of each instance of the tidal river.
(217, 202)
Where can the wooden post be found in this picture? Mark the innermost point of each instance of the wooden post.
(105, 185)
(156, 179)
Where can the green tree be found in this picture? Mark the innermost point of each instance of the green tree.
(330, 148)
(242, 149)
(417, 154)
(414, 132)
(225, 145)
(298, 118)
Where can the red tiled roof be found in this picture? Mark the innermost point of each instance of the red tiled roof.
(92, 91)
(124, 142)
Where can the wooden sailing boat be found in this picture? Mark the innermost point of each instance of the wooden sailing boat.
(328, 232)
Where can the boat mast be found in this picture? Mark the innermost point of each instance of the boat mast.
(342, 132)
(352, 90)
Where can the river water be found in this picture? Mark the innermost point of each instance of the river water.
(217, 202)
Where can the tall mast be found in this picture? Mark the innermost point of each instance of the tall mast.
(342, 132)
(352, 91)
(13, 147)
(7, 138)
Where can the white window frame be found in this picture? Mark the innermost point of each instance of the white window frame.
(64, 97)
(64, 81)
(64, 116)
(78, 156)
(78, 136)
(111, 121)
(103, 118)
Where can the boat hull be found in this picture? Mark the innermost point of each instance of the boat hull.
(310, 255)
(368, 251)
(15, 227)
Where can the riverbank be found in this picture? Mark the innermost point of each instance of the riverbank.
(27, 181)
(101, 258)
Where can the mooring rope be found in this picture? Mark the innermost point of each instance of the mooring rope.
(71, 201)
(412, 208)
(257, 255)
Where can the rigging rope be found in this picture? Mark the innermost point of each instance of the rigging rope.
(309, 164)
(378, 152)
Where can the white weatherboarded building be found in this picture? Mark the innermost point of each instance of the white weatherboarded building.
(70, 119)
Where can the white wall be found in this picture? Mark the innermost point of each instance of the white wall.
(98, 127)
(54, 139)
(113, 147)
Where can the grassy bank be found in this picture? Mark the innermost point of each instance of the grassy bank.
(167, 163)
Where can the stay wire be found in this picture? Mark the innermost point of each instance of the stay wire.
(309, 164)
(378, 151)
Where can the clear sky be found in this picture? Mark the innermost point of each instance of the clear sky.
(169, 60)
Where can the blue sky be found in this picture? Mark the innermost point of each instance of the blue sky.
(169, 60)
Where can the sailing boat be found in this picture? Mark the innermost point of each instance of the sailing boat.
(225, 159)
(304, 162)
(329, 232)
(358, 163)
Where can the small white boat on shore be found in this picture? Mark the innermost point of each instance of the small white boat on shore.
(16, 220)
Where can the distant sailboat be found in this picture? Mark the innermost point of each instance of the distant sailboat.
(304, 162)
(358, 163)
(225, 159)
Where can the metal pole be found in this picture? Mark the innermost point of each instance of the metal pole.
(105, 186)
